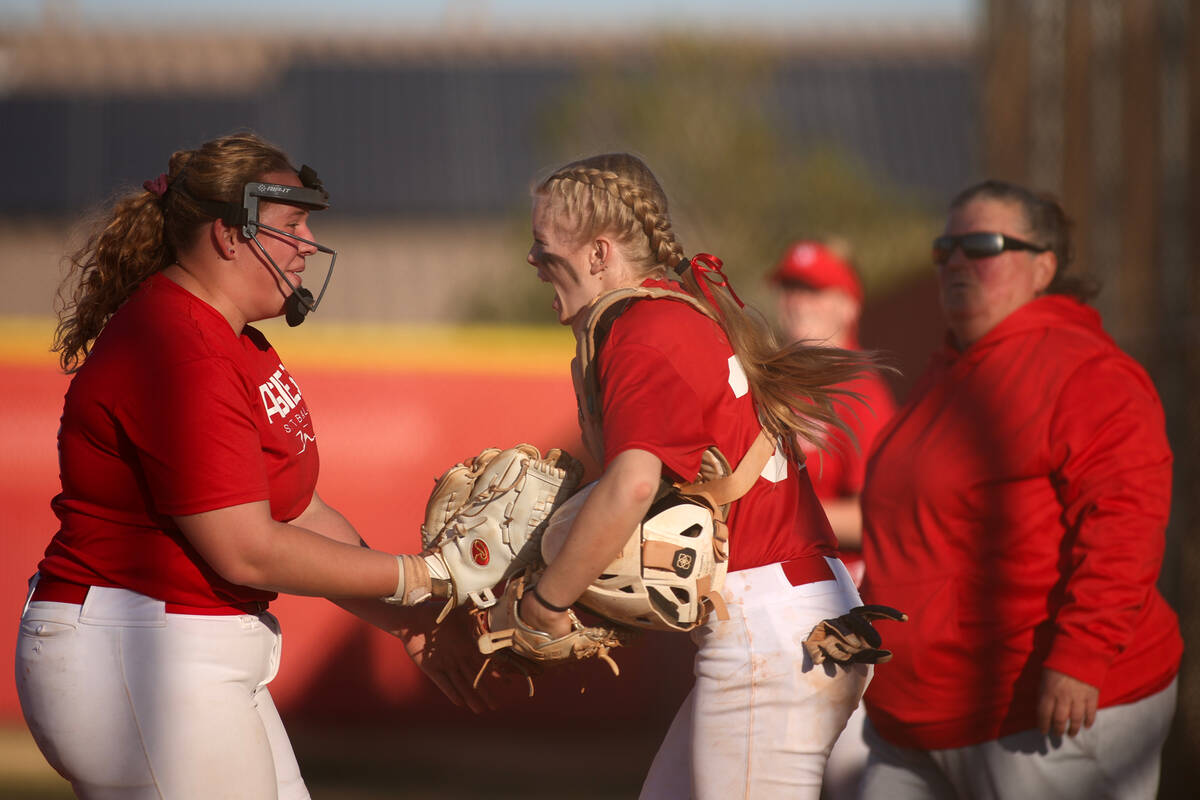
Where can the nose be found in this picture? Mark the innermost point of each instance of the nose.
(957, 260)
(304, 248)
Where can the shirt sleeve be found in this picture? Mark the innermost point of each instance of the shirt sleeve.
(196, 439)
(648, 405)
(1113, 474)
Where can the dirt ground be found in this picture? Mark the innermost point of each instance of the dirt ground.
(381, 764)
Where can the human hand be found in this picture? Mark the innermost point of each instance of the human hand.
(449, 655)
(1065, 704)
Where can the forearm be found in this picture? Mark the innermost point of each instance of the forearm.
(328, 521)
(300, 561)
(247, 547)
(400, 621)
(393, 619)
(845, 517)
(615, 508)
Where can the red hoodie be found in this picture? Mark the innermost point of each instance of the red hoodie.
(1015, 509)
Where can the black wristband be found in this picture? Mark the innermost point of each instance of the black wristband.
(537, 596)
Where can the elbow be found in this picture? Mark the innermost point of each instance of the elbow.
(238, 542)
(641, 490)
(636, 477)
(241, 573)
(246, 563)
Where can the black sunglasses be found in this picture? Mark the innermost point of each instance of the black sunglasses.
(979, 245)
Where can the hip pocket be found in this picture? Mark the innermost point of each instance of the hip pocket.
(44, 628)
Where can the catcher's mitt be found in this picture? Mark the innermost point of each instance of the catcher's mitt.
(851, 638)
(503, 635)
(485, 517)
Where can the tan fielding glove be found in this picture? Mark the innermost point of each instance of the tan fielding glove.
(503, 634)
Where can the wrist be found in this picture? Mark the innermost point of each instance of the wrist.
(536, 616)
(546, 604)
(413, 581)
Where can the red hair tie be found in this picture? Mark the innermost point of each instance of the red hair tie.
(159, 185)
(707, 269)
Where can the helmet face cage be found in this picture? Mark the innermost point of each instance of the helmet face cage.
(311, 195)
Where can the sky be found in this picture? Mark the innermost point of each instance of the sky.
(501, 14)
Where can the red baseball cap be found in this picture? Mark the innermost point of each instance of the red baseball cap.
(815, 265)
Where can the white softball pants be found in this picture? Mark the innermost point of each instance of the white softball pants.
(127, 701)
(760, 719)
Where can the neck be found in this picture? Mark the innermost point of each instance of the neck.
(192, 278)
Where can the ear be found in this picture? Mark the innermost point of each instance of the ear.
(1044, 266)
(599, 253)
(224, 239)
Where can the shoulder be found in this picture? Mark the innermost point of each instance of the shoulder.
(665, 323)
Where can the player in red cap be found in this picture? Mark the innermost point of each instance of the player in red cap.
(820, 300)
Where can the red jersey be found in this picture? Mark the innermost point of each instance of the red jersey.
(670, 385)
(173, 413)
(1015, 508)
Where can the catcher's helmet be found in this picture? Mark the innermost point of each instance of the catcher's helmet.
(665, 572)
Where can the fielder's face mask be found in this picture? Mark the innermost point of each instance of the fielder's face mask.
(312, 196)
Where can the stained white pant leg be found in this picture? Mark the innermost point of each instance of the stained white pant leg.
(847, 760)
(764, 718)
(670, 775)
(171, 699)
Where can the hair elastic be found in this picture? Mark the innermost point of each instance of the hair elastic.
(159, 185)
(537, 596)
(704, 266)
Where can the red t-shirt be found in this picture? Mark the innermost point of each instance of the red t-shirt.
(173, 413)
(670, 385)
(1016, 509)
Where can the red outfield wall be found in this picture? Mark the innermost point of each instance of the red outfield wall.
(392, 409)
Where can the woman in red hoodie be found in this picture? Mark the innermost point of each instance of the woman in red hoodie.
(1015, 507)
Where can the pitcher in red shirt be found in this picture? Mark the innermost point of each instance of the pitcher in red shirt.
(1015, 507)
(189, 466)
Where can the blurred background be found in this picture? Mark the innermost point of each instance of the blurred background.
(766, 121)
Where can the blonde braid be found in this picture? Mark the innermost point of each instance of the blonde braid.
(639, 212)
